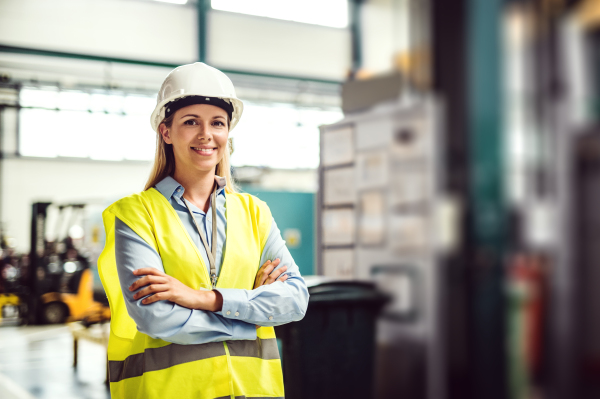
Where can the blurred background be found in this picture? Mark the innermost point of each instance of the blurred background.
(431, 165)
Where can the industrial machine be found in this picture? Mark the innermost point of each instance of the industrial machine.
(11, 289)
(60, 280)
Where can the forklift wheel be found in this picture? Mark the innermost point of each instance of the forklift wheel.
(55, 313)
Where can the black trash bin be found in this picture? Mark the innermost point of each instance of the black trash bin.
(330, 353)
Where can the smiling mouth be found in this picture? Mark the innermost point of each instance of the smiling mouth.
(203, 150)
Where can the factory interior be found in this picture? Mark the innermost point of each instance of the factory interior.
(429, 164)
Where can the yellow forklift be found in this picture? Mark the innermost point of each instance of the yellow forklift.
(11, 289)
(60, 279)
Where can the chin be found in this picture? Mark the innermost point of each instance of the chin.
(205, 168)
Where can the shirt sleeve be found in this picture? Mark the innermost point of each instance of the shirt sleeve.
(165, 319)
(274, 304)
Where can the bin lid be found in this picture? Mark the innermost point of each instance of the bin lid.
(328, 290)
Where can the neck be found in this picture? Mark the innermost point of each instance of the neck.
(198, 187)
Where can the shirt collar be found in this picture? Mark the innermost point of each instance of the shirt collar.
(169, 187)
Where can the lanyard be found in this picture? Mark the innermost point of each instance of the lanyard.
(211, 253)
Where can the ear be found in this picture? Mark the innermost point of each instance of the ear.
(165, 133)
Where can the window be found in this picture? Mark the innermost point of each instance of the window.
(280, 136)
(113, 126)
(73, 123)
(333, 13)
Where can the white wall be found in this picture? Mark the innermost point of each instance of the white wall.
(384, 32)
(154, 31)
(143, 30)
(259, 44)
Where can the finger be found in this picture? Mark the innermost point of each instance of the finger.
(267, 263)
(261, 270)
(145, 281)
(259, 274)
(161, 296)
(262, 277)
(283, 278)
(148, 271)
(276, 274)
(137, 284)
(263, 274)
(268, 267)
(151, 289)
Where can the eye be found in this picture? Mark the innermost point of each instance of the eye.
(218, 123)
(190, 122)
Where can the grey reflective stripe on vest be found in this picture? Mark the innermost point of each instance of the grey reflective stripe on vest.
(261, 348)
(154, 359)
(251, 397)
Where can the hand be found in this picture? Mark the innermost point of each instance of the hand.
(167, 288)
(266, 275)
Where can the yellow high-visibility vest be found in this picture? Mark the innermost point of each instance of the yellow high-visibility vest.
(143, 367)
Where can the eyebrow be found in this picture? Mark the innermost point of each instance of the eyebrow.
(197, 116)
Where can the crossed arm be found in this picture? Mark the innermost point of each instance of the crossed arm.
(179, 314)
(155, 285)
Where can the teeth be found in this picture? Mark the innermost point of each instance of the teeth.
(202, 149)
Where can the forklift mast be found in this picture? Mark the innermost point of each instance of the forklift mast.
(46, 273)
(36, 273)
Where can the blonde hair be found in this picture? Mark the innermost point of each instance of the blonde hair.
(164, 161)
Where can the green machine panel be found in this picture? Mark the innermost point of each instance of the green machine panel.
(294, 214)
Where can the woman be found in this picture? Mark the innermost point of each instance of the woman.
(196, 274)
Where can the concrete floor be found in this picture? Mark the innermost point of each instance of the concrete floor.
(37, 362)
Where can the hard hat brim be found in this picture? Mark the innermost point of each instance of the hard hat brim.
(158, 115)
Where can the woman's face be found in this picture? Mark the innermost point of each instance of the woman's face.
(199, 136)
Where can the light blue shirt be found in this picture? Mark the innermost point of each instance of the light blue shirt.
(268, 305)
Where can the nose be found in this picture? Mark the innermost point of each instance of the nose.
(204, 132)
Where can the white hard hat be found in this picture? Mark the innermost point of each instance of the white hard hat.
(197, 79)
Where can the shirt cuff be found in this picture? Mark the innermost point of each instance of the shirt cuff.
(235, 303)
